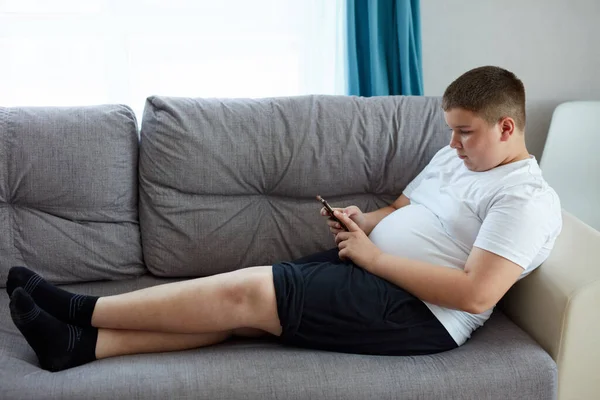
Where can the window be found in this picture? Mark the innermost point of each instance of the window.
(69, 52)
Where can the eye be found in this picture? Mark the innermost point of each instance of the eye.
(465, 132)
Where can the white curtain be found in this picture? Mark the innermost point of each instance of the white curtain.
(74, 52)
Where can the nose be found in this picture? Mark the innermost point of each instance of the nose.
(454, 141)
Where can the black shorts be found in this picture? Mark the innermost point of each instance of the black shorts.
(329, 304)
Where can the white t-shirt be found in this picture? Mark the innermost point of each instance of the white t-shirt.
(509, 210)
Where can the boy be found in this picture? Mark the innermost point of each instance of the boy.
(416, 277)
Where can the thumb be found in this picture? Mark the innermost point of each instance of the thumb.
(350, 211)
(347, 221)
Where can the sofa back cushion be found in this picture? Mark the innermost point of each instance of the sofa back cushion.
(231, 183)
(68, 192)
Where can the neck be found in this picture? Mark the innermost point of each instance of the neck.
(522, 155)
(519, 152)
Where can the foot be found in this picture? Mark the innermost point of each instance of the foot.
(71, 308)
(57, 345)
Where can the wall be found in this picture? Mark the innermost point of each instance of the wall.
(553, 46)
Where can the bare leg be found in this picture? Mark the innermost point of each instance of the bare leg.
(240, 299)
(118, 342)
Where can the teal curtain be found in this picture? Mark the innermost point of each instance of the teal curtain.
(384, 48)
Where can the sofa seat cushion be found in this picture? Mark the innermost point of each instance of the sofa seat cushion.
(500, 361)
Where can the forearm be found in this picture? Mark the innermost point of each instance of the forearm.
(374, 217)
(443, 286)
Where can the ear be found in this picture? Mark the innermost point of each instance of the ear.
(507, 128)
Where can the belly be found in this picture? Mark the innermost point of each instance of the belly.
(415, 232)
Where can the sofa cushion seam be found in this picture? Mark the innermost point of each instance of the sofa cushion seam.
(9, 195)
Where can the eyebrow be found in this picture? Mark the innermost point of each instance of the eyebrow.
(460, 126)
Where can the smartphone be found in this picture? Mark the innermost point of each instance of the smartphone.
(330, 211)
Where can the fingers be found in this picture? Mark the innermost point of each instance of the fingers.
(346, 220)
(334, 226)
(341, 240)
(337, 240)
(324, 211)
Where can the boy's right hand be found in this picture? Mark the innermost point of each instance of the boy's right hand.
(353, 212)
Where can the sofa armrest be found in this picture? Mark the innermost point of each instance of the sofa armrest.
(559, 306)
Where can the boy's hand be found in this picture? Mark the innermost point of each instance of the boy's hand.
(352, 211)
(355, 244)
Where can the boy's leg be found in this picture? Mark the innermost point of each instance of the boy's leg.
(118, 342)
(59, 345)
(240, 299)
(213, 304)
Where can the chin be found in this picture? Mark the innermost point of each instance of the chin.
(472, 167)
(468, 164)
(479, 169)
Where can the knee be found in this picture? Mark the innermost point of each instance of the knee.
(251, 294)
(251, 288)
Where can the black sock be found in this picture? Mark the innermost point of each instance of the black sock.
(58, 345)
(71, 308)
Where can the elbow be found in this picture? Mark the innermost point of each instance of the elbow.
(474, 308)
(476, 298)
(477, 304)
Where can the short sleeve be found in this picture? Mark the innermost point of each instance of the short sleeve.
(518, 227)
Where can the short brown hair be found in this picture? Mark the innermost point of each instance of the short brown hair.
(491, 92)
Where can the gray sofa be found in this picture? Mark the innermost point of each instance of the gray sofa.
(213, 185)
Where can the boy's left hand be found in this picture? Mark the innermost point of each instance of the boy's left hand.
(355, 244)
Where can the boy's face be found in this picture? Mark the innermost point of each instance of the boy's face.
(476, 142)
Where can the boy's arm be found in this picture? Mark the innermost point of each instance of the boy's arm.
(374, 217)
(483, 282)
